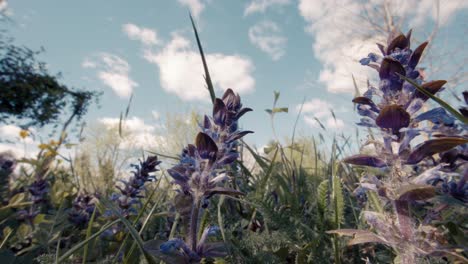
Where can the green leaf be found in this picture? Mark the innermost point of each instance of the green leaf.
(17, 200)
(322, 195)
(338, 199)
(280, 110)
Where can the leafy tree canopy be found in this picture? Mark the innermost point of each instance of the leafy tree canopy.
(29, 95)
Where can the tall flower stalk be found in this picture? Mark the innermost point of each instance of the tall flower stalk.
(131, 191)
(202, 173)
(396, 109)
(199, 174)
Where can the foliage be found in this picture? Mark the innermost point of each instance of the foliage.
(32, 96)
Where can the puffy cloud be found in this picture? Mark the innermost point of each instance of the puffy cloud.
(181, 70)
(114, 72)
(136, 133)
(133, 124)
(11, 140)
(266, 35)
(144, 35)
(259, 6)
(322, 110)
(345, 31)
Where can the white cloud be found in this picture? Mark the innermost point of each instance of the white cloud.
(9, 131)
(113, 72)
(11, 140)
(343, 35)
(259, 6)
(266, 35)
(133, 124)
(196, 6)
(136, 133)
(181, 70)
(144, 35)
(322, 110)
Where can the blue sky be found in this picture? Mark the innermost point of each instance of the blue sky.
(304, 49)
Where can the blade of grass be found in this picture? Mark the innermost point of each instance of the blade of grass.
(86, 241)
(268, 173)
(220, 217)
(57, 252)
(6, 238)
(88, 234)
(150, 214)
(209, 84)
(140, 214)
(441, 102)
(130, 229)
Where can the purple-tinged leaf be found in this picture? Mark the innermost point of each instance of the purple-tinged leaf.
(219, 112)
(206, 122)
(242, 112)
(366, 101)
(415, 192)
(231, 100)
(237, 135)
(206, 146)
(433, 146)
(408, 37)
(381, 48)
(431, 87)
(399, 41)
(393, 117)
(223, 190)
(228, 94)
(365, 160)
(389, 67)
(416, 56)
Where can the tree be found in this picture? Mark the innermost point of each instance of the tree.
(30, 94)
